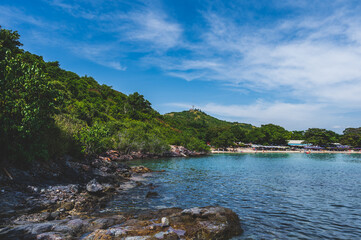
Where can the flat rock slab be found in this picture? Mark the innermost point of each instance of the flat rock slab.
(194, 223)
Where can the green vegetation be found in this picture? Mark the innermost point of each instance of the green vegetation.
(46, 112)
(207, 128)
(320, 137)
(269, 134)
(28, 99)
(352, 137)
(223, 134)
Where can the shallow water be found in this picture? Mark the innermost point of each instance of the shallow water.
(277, 196)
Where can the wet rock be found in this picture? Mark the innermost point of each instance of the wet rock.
(195, 223)
(140, 169)
(25, 231)
(151, 194)
(78, 226)
(168, 235)
(94, 187)
(102, 223)
(173, 223)
(55, 215)
(52, 236)
(41, 227)
(165, 222)
(67, 206)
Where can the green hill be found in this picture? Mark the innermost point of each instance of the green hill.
(207, 128)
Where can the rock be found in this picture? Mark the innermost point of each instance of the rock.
(41, 227)
(165, 222)
(94, 187)
(140, 169)
(78, 226)
(195, 223)
(168, 235)
(55, 215)
(52, 236)
(151, 194)
(67, 206)
(102, 223)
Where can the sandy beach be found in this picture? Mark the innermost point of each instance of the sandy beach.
(251, 150)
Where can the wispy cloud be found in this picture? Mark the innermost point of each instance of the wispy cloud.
(315, 61)
(97, 53)
(153, 27)
(14, 16)
(143, 30)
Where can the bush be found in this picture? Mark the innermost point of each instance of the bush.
(93, 140)
(28, 99)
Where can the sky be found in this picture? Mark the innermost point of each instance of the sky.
(292, 63)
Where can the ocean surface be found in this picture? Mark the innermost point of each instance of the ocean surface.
(277, 196)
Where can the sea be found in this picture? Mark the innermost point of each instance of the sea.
(276, 195)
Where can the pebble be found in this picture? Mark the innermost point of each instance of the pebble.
(165, 222)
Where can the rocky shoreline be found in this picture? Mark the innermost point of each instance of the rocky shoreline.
(62, 200)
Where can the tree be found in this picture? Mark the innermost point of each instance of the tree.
(93, 139)
(320, 137)
(269, 134)
(352, 137)
(137, 107)
(297, 135)
(238, 133)
(224, 139)
(9, 43)
(27, 102)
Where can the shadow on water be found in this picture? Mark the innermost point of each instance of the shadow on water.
(272, 155)
(323, 156)
(353, 158)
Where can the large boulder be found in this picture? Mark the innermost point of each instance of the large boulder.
(171, 223)
(175, 223)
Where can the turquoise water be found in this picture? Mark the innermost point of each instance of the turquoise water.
(277, 196)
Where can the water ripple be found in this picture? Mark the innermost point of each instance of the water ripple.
(277, 196)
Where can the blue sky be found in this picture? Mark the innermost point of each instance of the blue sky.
(293, 63)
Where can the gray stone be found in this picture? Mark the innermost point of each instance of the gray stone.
(165, 222)
(51, 236)
(94, 187)
(41, 228)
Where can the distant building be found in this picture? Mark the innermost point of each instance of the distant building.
(297, 143)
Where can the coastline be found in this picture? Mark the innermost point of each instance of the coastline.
(250, 150)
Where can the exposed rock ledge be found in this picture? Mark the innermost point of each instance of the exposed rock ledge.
(172, 223)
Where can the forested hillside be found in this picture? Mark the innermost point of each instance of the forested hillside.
(209, 129)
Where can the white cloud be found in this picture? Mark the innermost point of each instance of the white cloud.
(153, 27)
(97, 53)
(317, 59)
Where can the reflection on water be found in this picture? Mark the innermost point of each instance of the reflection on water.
(277, 196)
